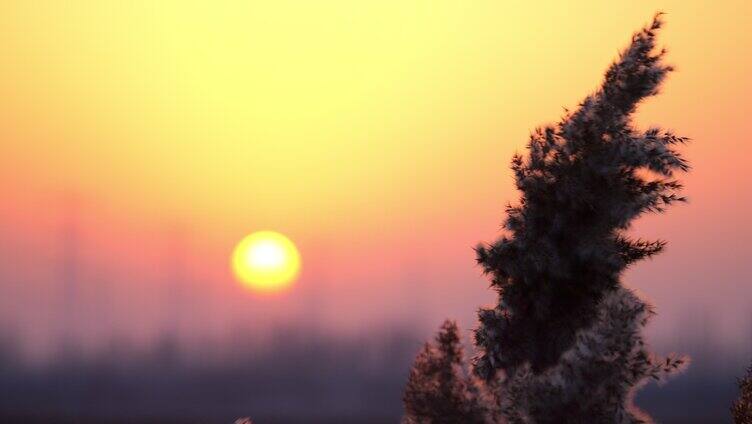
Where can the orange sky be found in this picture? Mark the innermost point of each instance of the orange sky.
(375, 134)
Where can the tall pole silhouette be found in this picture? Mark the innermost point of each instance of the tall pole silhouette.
(70, 290)
(176, 276)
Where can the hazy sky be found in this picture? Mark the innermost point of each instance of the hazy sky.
(140, 141)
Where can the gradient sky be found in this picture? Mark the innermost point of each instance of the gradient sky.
(139, 141)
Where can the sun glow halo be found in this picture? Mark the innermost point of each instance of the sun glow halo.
(266, 261)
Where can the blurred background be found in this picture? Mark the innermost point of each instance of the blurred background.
(140, 141)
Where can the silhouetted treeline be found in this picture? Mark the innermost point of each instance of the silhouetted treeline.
(297, 378)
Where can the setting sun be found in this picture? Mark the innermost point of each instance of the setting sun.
(266, 261)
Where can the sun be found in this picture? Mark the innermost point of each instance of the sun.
(266, 262)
